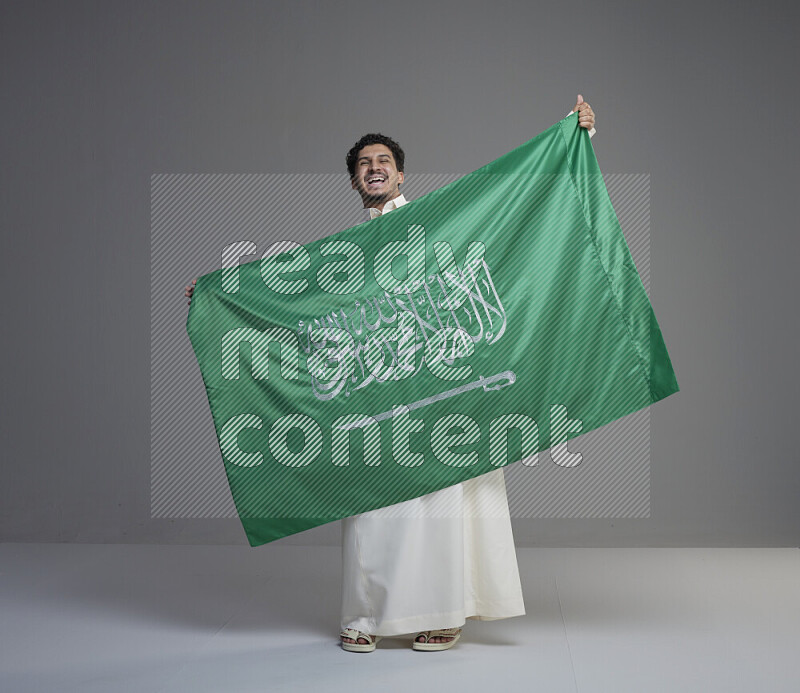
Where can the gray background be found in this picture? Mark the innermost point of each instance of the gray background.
(98, 96)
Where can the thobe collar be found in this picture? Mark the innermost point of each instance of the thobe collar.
(371, 212)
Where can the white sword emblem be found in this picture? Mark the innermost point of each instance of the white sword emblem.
(493, 382)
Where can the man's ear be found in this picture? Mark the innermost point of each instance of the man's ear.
(353, 183)
(400, 177)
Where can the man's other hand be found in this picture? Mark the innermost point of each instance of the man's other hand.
(190, 290)
(585, 113)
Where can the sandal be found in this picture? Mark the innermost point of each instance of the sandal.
(356, 646)
(442, 633)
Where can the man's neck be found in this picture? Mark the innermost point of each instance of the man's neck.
(380, 205)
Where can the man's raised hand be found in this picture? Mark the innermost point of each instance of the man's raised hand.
(585, 113)
(190, 291)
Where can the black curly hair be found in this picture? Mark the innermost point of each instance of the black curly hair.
(375, 138)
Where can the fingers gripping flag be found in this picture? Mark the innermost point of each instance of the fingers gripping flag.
(496, 317)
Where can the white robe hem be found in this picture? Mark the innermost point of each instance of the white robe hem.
(482, 611)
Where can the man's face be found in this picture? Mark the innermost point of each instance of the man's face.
(376, 178)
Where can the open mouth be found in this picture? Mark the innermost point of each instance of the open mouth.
(375, 181)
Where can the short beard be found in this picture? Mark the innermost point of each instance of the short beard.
(376, 199)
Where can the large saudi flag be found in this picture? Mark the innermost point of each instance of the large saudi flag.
(485, 322)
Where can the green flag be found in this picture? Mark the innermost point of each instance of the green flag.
(485, 322)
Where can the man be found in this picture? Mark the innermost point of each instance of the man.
(401, 574)
(406, 568)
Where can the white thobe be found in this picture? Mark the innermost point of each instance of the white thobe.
(433, 561)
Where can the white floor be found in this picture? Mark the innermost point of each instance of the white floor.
(110, 618)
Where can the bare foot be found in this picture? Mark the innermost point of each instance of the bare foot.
(435, 638)
(361, 640)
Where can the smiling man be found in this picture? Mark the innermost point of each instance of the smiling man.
(406, 568)
(375, 164)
